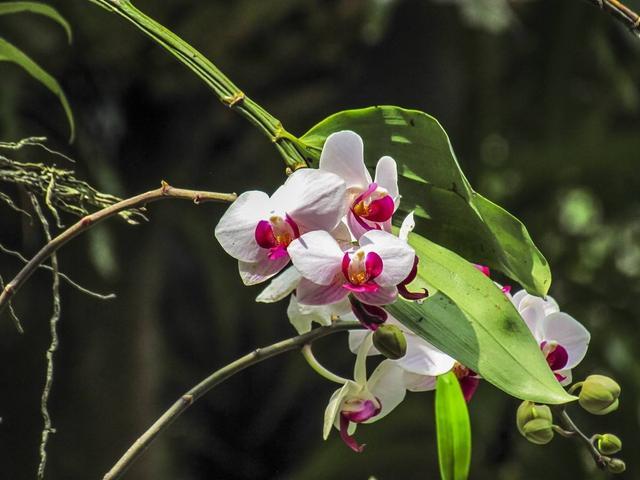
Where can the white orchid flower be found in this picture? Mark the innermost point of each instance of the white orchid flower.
(364, 400)
(420, 365)
(371, 203)
(563, 340)
(257, 229)
(370, 271)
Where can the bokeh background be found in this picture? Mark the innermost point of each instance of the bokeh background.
(541, 100)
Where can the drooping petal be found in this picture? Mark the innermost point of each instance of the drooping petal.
(419, 383)
(317, 256)
(408, 224)
(382, 296)
(281, 286)
(370, 316)
(562, 328)
(397, 256)
(302, 316)
(333, 408)
(237, 227)
(356, 337)
(262, 270)
(387, 385)
(423, 358)
(311, 293)
(360, 367)
(315, 200)
(387, 177)
(469, 386)
(348, 438)
(343, 154)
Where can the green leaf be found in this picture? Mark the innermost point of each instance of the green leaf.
(453, 429)
(471, 320)
(431, 182)
(10, 53)
(38, 8)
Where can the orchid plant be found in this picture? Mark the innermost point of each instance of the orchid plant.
(402, 260)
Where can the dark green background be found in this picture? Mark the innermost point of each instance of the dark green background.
(544, 116)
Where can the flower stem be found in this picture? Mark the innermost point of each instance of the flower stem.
(570, 426)
(164, 192)
(219, 376)
(313, 362)
(290, 148)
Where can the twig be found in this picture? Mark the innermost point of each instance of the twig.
(219, 376)
(47, 428)
(162, 193)
(620, 11)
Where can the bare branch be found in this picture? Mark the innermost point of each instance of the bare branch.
(620, 11)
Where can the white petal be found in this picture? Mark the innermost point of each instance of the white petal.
(262, 270)
(281, 286)
(533, 315)
(236, 230)
(397, 256)
(333, 408)
(302, 316)
(355, 228)
(356, 337)
(387, 176)
(343, 154)
(568, 377)
(317, 256)
(419, 383)
(311, 293)
(315, 200)
(568, 332)
(423, 358)
(360, 368)
(387, 385)
(384, 296)
(408, 224)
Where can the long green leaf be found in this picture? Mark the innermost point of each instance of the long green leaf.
(10, 53)
(431, 182)
(453, 429)
(37, 8)
(471, 320)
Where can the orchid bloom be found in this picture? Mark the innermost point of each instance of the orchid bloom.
(369, 271)
(257, 229)
(364, 400)
(421, 364)
(371, 203)
(562, 339)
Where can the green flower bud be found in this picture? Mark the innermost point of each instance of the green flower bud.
(535, 422)
(390, 341)
(616, 465)
(608, 444)
(599, 395)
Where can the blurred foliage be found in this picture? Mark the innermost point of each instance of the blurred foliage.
(544, 116)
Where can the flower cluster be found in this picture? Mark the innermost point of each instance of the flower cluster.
(334, 224)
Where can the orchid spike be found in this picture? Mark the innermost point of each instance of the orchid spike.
(371, 203)
(370, 272)
(257, 229)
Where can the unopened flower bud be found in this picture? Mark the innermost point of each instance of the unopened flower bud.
(535, 422)
(608, 444)
(616, 465)
(390, 341)
(599, 395)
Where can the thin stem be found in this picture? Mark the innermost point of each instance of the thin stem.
(289, 147)
(162, 193)
(219, 376)
(601, 460)
(621, 12)
(320, 369)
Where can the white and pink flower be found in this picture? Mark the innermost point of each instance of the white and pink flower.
(371, 203)
(563, 340)
(369, 271)
(257, 229)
